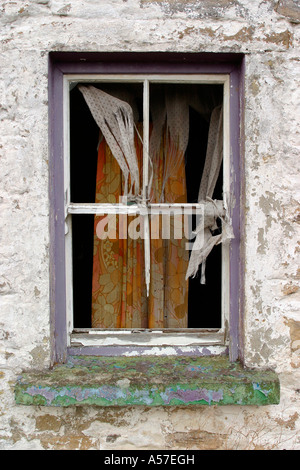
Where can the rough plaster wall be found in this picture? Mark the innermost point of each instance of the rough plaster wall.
(268, 32)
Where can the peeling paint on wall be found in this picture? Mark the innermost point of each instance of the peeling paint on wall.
(268, 34)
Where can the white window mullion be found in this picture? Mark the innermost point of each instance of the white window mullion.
(146, 114)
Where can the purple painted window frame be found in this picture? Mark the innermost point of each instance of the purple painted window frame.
(61, 63)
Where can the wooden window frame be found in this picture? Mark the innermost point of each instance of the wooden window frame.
(66, 68)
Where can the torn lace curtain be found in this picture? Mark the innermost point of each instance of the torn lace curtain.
(205, 239)
(117, 118)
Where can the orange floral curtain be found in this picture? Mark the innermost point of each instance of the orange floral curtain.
(119, 298)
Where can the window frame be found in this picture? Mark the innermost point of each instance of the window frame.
(65, 68)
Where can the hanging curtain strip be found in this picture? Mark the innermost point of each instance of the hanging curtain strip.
(177, 116)
(115, 119)
(205, 240)
(158, 112)
(214, 155)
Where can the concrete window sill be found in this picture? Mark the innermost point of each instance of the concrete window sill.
(148, 381)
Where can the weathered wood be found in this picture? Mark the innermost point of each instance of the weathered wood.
(147, 337)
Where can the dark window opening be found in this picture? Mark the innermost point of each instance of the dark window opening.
(204, 301)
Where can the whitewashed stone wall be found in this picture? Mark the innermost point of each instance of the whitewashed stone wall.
(268, 32)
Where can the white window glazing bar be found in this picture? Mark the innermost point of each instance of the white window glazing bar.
(155, 209)
(140, 78)
(146, 116)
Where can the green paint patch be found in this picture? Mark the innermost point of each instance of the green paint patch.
(148, 381)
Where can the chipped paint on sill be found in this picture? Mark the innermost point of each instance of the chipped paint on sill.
(131, 351)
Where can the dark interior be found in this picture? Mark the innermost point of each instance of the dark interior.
(204, 300)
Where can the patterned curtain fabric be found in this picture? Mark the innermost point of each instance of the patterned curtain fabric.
(119, 297)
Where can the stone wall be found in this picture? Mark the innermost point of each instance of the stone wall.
(268, 33)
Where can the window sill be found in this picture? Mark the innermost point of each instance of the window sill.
(148, 381)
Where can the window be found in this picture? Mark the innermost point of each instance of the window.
(140, 153)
